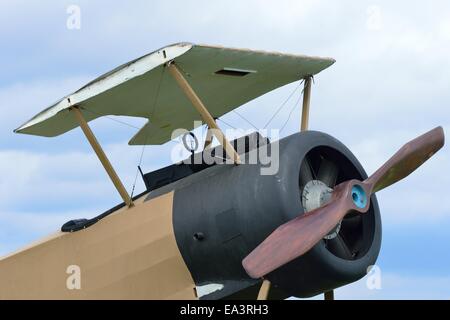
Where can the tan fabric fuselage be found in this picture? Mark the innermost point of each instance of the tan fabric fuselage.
(130, 254)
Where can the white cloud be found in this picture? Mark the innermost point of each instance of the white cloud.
(22, 100)
(37, 177)
(397, 286)
(26, 227)
(41, 223)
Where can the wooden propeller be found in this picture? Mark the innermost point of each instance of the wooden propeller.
(294, 238)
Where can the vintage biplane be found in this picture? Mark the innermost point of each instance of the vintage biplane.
(212, 230)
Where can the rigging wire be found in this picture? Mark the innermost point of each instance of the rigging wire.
(297, 102)
(232, 127)
(146, 136)
(137, 172)
(248, 121)
(283, 104)
(119, 121)
(111, 118)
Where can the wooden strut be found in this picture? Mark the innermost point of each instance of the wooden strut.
(204, 113)
(306, 102)
(329, 295)
(264, 290)
(102, 156)
(208, 139)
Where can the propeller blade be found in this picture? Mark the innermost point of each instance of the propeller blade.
(294, 238)
(411, 156)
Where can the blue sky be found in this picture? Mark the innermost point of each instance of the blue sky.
(389, 84)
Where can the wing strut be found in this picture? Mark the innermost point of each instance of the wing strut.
(204, 113)
(328, 295)
(263, 293)
(306, 102)
(101, 156)
(208, 139)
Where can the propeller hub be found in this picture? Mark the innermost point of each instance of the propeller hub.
(359, 196)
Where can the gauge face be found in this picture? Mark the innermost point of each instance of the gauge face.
(190, 142)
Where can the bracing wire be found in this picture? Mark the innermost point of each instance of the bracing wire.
(126, 124)
(232, 127)
(111, 118)
(275, 113)
(290, 113)
(146, 136)
(283, 104)
(246, 120)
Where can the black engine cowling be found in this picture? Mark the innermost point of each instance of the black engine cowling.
(223, 212)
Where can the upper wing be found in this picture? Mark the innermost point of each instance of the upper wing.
(224, 78)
